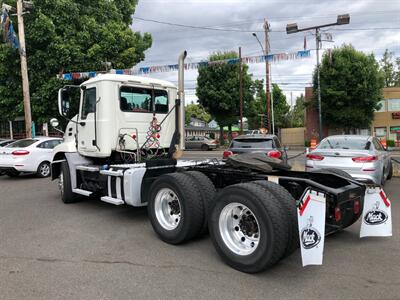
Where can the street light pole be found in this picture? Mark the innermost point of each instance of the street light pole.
(292, 28)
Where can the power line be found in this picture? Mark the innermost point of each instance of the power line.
(193, 26)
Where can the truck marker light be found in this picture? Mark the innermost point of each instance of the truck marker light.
(338, 214)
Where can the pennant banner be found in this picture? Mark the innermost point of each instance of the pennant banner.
(192, 66)
(7, 28)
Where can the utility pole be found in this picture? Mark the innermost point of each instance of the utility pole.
(268, 96)
(24, 70)
(241, 89)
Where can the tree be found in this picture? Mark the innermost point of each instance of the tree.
(196, 111)
(388, 69)
(351, 87)
(296, 115)
(218, 88)
(257, 106)
(281, 108)
(65, 36)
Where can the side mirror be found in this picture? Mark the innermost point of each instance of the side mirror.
(64, 102)
(54, 122)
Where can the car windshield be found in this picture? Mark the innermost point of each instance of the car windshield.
(345, 143)
(22, 143)
(252, 143)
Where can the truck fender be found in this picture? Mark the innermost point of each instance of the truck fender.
(59, 156)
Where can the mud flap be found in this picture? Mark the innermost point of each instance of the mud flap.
(311, 222)
(377, 215)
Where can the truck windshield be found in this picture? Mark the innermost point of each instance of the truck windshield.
(136, 99)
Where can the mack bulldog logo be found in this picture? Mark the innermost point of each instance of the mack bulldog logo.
(310, 237)
(375, 216)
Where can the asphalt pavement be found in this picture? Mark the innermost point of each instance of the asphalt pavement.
(94, 250)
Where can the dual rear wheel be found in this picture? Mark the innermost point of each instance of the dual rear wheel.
(252, 225)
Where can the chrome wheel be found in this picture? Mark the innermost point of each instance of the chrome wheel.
(239, 228)
(167, 208)
(44, 169)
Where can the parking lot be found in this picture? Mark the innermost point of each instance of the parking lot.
(94, 250)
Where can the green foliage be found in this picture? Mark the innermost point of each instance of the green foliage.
(65, 36)
(296, 115)
(218, 89)
(257, 106)
(196, 111)
(351, 87)
(388, 68)
(390, 143)
(281, 108)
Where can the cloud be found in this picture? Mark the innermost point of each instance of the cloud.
(292, 76)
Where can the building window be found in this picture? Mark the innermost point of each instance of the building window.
(382, 106)
(393, 104)
(380, 132)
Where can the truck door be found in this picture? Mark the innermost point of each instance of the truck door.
(86, 127)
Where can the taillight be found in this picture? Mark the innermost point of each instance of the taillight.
(274, 154)
(227, 154)
(20, 152)
(356, 207)
(314, 157)
(338, 214)
(364, 159)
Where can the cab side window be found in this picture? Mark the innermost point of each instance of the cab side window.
(89, 102)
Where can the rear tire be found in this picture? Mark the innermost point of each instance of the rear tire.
(247, 228)
(207, 192)
(289, 204)
(67, 196)
(175, 208)
(43, 170)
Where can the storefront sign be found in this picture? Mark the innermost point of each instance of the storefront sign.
(396, 115)
(395, 129)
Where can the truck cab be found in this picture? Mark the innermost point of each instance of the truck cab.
(119, 113)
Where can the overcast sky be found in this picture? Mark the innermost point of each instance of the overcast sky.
(374, 26)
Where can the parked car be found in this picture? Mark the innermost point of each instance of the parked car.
(264, 143)
(28, 155)
(363, 157)
(200, 142)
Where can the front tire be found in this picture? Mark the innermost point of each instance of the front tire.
(247, 228)
(64, 184)
(390, 174)
(204, 147)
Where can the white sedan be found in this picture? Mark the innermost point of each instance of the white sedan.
(28, 155)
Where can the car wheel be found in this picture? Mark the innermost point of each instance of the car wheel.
(383, 179)
(43, 170)
(204, 147)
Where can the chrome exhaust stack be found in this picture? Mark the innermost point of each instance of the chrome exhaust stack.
(180, 117)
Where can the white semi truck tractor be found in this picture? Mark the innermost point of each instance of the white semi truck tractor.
(123, 147)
